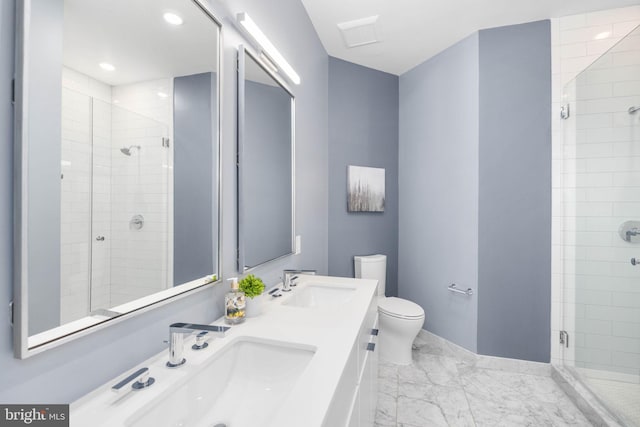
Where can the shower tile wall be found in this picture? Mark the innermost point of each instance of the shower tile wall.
(142, 184)
(76, 166)
(602, 199)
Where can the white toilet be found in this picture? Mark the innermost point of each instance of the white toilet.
(400, 320)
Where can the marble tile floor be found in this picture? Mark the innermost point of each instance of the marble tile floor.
(445, 386)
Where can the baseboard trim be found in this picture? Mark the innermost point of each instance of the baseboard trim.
(487, 362)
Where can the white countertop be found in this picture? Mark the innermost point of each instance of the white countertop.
(331, 330)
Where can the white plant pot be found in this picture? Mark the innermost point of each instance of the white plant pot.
(253, 306)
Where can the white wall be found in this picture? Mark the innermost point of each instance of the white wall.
(597, 312)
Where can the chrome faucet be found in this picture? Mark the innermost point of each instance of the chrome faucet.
(289, 278)
(177, 332)
(633, 232)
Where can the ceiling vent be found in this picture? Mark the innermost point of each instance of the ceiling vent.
(359, 32)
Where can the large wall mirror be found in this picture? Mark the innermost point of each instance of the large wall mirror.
(265, 163)
(117, 161)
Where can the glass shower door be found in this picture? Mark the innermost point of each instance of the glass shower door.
(602, 228)
(75, 205)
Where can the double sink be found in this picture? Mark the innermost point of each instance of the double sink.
(244, 379)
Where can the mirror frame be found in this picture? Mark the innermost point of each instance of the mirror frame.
(19, 304)
(242, 50)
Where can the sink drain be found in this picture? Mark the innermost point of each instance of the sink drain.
(220, 425)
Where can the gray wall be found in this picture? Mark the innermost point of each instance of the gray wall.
(45, 106)
(363, 131)
(438, 182)
(194, 173)
(475, 200)
(514, 301)
(67, 372)
(267, 173)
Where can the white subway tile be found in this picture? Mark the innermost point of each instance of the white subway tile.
(572, 22)
(583, 34)
(593, 326)
(626, 209)
(622, 29)
(627, 360)
(599, 47)
(611, 16)
(626, 329)
(625, 89)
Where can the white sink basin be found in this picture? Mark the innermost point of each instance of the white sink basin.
(243, 386)
(320, 295)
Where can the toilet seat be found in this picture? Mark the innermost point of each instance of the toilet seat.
(400, 308)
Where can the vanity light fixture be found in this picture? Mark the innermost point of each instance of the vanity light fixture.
(602, 35)
(267, 47)
(267, 61)
(172, 18)
(106, 66)
(162, 95)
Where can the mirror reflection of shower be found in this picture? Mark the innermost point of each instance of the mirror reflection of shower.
(116, 219)
(127, 150)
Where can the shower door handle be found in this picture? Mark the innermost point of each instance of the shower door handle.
(100, 238)
(635, 261)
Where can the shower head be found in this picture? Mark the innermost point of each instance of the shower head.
(633, 109)
(127, 150)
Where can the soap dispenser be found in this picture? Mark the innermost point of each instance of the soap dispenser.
(234, 304)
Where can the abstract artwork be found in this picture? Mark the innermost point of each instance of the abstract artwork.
(365, 190)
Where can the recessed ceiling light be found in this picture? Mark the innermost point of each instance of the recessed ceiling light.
(602, 35)
(162, 95)
(106, 66)
(172, 18)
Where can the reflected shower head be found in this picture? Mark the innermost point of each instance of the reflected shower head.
(127, 150)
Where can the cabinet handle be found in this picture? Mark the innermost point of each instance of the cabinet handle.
(374, 332)
(371, 346)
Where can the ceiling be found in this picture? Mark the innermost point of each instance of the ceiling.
(135, 39)
(412, 31)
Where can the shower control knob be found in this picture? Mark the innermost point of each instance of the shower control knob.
(100, 238)
(635, 261)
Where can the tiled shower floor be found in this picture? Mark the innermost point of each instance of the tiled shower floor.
(621, 397)
(445, 386)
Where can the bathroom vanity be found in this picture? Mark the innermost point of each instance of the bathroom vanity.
(308, 360)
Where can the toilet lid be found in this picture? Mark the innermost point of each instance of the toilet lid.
(399, 307)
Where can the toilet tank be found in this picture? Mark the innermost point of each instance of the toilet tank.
(372, 267)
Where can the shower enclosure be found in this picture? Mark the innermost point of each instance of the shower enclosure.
(601, 229)
(115, 206)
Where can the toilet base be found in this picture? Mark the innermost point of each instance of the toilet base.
(396, 337)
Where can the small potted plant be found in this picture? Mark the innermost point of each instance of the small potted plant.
(253, 287)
